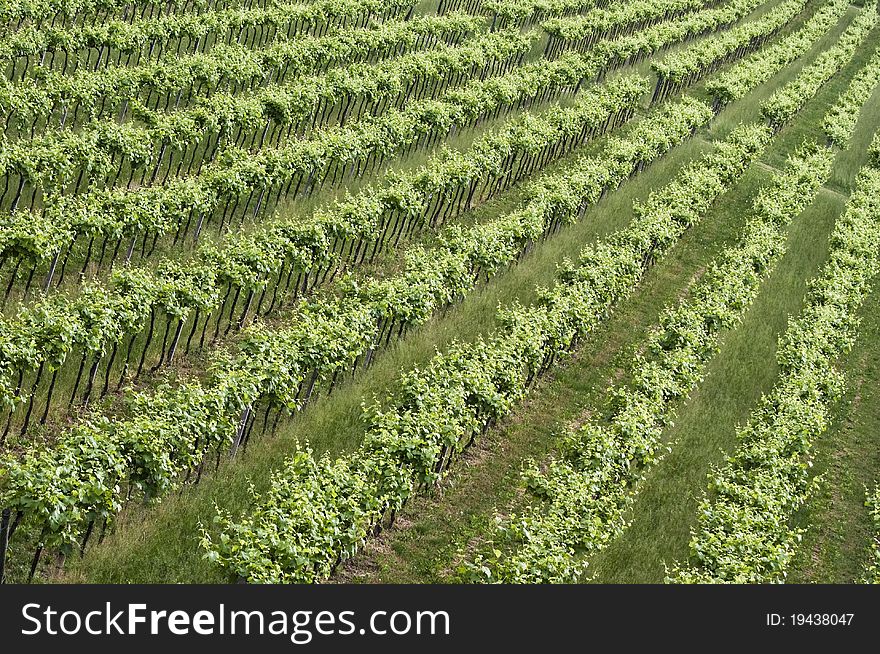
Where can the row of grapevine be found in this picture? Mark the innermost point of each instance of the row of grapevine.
(253, 266)
(257, 264)
(106, 149)
(86, 13)
(615, 53)
(179, 128)
(440, 429)
(36, 47)
(439, 410)
(734, 83)
(65, 12)
(744, 531)
(237, 416)
(681, 68)
(581, 496)
(173, 430)
(31, 103)
(785, 102)
(840, 123)
(468, 6)
(581, 32)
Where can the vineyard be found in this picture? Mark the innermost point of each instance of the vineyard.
(456, 291)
